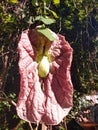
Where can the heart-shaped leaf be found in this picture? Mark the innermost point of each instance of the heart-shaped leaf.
(46, 32)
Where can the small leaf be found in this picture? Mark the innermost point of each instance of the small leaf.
(46, 32)
(56, 2)
(12, 1)
(34, 2)
(45, 20)
(52, 12)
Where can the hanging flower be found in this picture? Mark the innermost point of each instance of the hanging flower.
(46, 90)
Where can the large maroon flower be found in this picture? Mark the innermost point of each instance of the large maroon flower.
(46, 91)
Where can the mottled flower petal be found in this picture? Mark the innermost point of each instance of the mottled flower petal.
(31, 97)
(58, 85)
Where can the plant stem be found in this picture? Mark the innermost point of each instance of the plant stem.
(44, 8)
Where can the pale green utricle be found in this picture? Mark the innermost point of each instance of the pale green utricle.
(43, 67)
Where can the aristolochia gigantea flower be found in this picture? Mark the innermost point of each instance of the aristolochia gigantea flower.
(46, 89)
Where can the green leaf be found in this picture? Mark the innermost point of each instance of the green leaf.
(45, 20)
(52, 12)
(61, 128)
(56, 2)
(46, 32)
(34, 2)
(12, 1)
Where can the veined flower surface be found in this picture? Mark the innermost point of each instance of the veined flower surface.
(44, 63)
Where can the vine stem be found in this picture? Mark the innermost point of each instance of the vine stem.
(8, 100)
(44, 8)
(30, 126)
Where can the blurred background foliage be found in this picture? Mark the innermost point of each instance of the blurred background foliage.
(77, 20)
